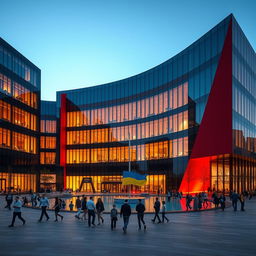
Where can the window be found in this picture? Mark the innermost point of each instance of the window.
(5, 111)
(5, 138)
(22, 142)
(5, 84)
(24, 118)
(47, 157)
(50, 126)
(48, 142)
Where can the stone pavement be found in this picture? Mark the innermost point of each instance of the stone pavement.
(210, 233)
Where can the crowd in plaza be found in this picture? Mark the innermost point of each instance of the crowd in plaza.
(88, 210)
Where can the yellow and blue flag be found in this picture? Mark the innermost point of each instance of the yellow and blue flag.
(133, 178)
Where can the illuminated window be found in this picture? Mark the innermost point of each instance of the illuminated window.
(42, 126)
(24, 95)
(48, 142)
(22, 142)
(5, 138)
(50, 126)
(5, 111)
(185, 93)
(5, 84)
(24, 118)
(47, 157)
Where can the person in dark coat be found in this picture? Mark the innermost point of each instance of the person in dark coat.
(234, 198)
(222, 201)
(188, 201)
(242, 201)
(113, 216)
(57, 207)
(125, 213)
(140, 209)
(100, 209)
(157, 206)
(8, 199)
(216, 200)
(83, 207)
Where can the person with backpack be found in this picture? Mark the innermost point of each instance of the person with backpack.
(125, 213)
(113, 216)
(157, 206)
(140, 209)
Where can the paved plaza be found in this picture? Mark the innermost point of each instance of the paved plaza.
(196, 233)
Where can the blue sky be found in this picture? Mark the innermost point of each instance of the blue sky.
(79, 43)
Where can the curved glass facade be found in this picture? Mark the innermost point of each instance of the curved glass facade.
(159, 111)
(188, 123)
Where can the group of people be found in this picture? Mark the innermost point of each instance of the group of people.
(200, 201)
(88, 210)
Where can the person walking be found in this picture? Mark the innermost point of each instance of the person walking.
(83, 207)
(113, 215)
(33, 200)
(57, 207)
(71, 206)
(163, 210)
(250, 195)
(205, 199)
(44, 203)
(234, 198)
(222, 201)
(100, 209)
(9, 200)
(140, 209)
(78, 206)
(200, 201)
(91, 211)
(196, 203)
(25, 201)
(17, 211)
(216, 200)
(169, 196)
(242, 201)
(188, 201)
(125, 213)
(157, 206)
(62, 204)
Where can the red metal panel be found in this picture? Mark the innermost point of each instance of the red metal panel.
(214, 136)
(63, 135)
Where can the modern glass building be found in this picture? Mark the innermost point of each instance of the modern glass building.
(190, 121)
(20, 84)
